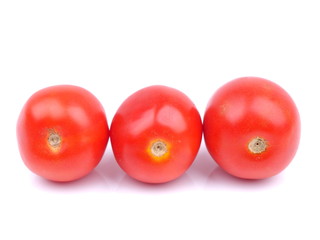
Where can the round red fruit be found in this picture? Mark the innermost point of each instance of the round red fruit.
(252, 128)
(62, 132)
(156, 134)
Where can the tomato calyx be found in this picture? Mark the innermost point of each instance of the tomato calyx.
(159, 150)
(54, 141)
(257, 145)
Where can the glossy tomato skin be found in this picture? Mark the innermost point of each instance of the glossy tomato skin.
(246, 109)
(152, 115)
(62, 132)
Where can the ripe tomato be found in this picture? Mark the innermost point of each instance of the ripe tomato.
(252, 128)
(62, 132)
(156, 134)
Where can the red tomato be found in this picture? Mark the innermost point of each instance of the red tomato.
(62, 132)
(156, 134)
(252, 128)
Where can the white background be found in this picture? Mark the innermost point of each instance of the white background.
(113, 48)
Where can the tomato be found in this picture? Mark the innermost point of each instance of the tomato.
(62, 132)
(252, 128)
(156, 134)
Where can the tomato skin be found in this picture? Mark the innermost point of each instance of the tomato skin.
(73, 115)
(150, 115)
(248, 108)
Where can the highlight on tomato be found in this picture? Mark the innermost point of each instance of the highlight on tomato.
(156, 134)
(62, 132)
(252, 128)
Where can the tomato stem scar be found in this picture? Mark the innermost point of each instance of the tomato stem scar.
(54, 140)
(159, 148)
(257, 145)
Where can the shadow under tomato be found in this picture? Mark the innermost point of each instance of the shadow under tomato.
(110, 170)
(119, 181)
(129, 184)
(221, 180)
(96, 180)
(202, 166)
(216, 178)
(91, 182)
